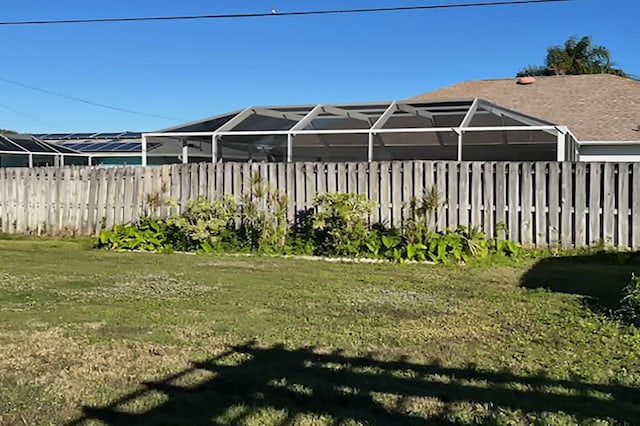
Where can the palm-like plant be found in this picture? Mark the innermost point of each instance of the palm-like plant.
(576, 56)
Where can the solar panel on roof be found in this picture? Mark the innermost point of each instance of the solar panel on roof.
(137, 146)
(111, 146)
(132, 146)
(81, 135)
(76, 146)
(53, 136)
(33, 146)
(7, 146)
(107, 135)
(72, 145)
(65, 150)
(69, 145)
(101, 146)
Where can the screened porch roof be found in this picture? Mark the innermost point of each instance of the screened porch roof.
(19, 144)
(379, 117)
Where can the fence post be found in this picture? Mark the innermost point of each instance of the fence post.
(561, 135)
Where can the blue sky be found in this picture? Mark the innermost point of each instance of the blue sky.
(194, 69)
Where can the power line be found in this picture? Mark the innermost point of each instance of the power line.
(96, 104)
(31, 117)
(275, 13)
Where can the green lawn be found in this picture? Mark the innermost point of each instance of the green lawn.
(93, 337)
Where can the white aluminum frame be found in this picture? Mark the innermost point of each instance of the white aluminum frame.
(302, 126)
(55, 155)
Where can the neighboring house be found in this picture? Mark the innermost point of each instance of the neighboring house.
(121, 148)
(18, 150)
(601, 110)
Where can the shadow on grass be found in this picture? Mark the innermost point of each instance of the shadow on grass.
(249, 380)
(600, 277)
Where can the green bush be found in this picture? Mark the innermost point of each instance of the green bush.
(420, 216)
(203, 224)
(301, 237)
(263, 217)
(457, 246)
(501, 245)
(386, 243)
(337, 225)
(147, 234)
(341, 223)
(422, 241)
(630, 302)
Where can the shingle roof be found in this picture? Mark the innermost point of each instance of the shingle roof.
(598, 107)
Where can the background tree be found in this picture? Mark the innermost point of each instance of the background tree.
(575, 57)
(8, 132)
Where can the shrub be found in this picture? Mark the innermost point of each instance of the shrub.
(385, 242)
(341, 223)
(337, 225)
(147, 234)
(203, 224)
(501, 245)
(458, 245)
(301, 236)
(630, 302)
(420, 216)
(263, 217)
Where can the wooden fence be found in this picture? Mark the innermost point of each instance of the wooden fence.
(542, 204)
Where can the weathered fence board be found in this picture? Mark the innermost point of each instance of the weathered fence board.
(635, 207)
(623, 206)
(580, 189)
(553, 201)
(500, 203)
(608, 205)
(488, 199)
(374, 189)
(594, 204)
(513, 178)
(540, 210)
(452, 195)
(385, 216)
(526, 228)
(441, 190)
(396, 192)
(567, 228)
(477, 207)
(542, 204)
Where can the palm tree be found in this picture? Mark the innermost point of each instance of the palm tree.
(575, 57)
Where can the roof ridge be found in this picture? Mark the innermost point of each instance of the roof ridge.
(544, 77)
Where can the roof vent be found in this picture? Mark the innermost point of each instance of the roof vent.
(526, 80)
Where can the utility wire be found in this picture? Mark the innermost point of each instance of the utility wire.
(96, 104)
(31, 117)
(276, 13)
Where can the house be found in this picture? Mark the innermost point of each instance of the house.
(601, 110)
(19, 150)
(558, 118)
(121, 148)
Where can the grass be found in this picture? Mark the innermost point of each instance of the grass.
(93, 337)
